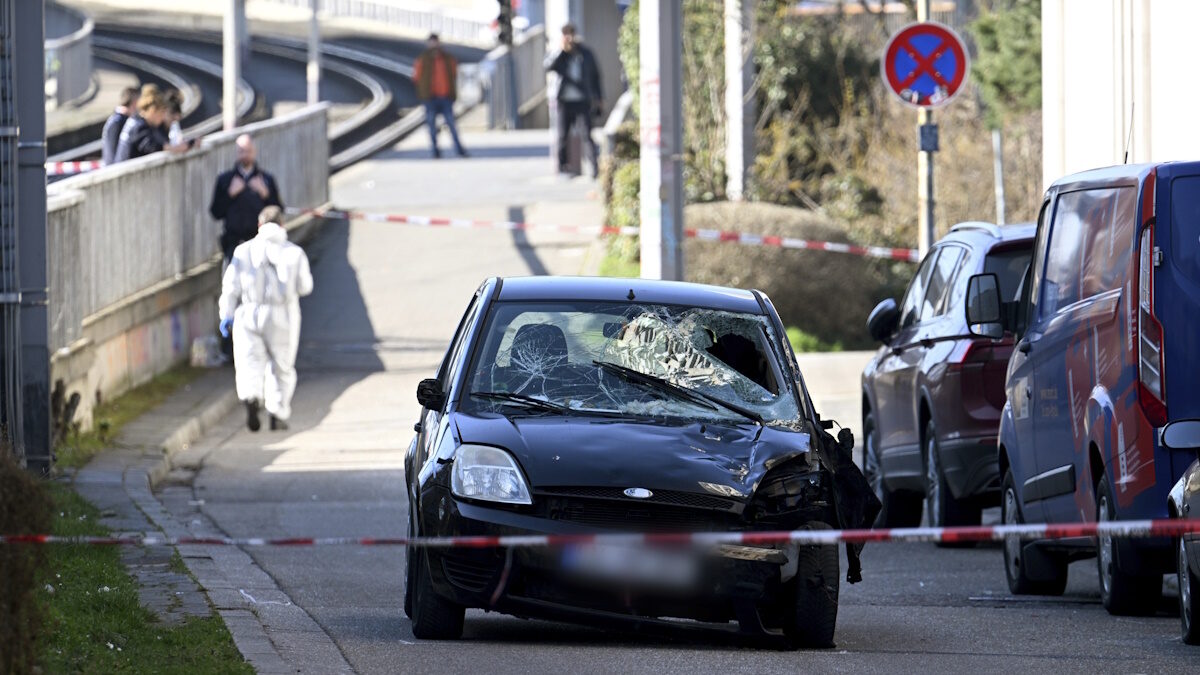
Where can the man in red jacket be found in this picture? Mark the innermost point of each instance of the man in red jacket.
(436, 75)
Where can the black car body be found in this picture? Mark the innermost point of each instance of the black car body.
(572, 405)
(933, 393)
(1184, 502)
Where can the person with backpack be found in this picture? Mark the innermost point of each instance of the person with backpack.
(260, 309)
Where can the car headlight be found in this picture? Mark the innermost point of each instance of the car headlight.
(483, 472)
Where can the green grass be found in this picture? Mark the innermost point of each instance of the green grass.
(615, 265)
(92, 630)
(111, 416)
(804, 342)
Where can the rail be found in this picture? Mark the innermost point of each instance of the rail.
(411, 17)
(515, 79)
(119, 231)
(68, 54)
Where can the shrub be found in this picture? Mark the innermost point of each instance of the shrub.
(24, 509)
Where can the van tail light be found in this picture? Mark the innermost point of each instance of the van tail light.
(1148, 335)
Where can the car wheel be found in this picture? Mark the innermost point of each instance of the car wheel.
(900, 509)
(1122, 594)
(941, 508)
(812, 621)
(434, 617)
(1018, 582)
(1189, 585)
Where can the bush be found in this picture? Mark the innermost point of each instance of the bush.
(24, 509)
(825, 295)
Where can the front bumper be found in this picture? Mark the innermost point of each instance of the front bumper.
(534, 581)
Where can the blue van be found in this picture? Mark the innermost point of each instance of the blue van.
(1108, 330)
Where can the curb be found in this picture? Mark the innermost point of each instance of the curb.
(186, 434)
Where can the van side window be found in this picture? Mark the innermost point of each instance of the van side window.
(1060, 285)
(910, 309)
(1033, 286)
(1110, 217)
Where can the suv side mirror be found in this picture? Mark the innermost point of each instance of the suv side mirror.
(983, 307)
(1181, 435)
(882, 321)
(429, 394)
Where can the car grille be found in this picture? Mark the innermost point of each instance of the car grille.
(666, 497)
(637, 516)
(468, 573)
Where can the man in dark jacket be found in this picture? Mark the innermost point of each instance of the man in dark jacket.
(579, 93)
(435, 74)
(111, 134)
(240, 195)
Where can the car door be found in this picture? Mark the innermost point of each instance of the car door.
(899, 447)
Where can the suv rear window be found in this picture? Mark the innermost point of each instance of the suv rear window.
(1008, 264)
(1185, 225)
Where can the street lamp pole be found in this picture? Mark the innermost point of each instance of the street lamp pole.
(661, 134)
(314, 56)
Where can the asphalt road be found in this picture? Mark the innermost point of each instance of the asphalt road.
(386, 303)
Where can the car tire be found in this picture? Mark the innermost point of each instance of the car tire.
(900, 509)
(813, 619)
(1189, 586)
(1122, 594)
(941, 508)
(1018, 582)
(434, 617)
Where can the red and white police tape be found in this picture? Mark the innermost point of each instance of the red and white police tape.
(67, 168)
(1124, 529)
(728, 236)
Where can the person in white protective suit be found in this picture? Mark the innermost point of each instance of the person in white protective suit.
(260, 300)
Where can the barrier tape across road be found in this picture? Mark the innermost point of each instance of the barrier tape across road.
(67, 168)
(727, 236)
(1127, 529)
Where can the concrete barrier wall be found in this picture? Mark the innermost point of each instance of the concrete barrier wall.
(134, 257)
(68, 52)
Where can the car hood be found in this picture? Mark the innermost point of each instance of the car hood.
(718, 459)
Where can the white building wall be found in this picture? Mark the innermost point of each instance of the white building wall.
(1118, 73)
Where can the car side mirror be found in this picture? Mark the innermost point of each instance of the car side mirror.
(1181, 435)
(983, 307)
(429, 394)
(881, 323)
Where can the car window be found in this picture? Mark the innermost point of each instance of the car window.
(939, 282)
(1008, 264)
(1061, 283)
(451, 367)
(958, 284)
(1185, 225)
(910, 309)
(1037, 266)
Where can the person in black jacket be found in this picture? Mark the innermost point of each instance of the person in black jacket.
(240, 195)
(579, 93)
(111, 134)
(142, 134)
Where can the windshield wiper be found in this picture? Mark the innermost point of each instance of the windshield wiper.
(522, 399)
(699, 397)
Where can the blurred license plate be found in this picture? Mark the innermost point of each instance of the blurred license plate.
(677, 568)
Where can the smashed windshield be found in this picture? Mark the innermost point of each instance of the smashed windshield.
(629, 359)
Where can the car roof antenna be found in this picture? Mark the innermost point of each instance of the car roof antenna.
(1129, 139)
(631, 296)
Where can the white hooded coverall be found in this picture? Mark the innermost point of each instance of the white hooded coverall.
(261, 290)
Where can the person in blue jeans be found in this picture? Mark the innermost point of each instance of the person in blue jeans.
(436, 74)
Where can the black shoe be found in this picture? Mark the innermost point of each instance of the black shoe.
(463, 154)
(252, 415)
(278, 424)
(437, 154)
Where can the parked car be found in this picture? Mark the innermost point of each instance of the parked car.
(1109, 345)
(1184, 502)
(933, 392)
(573, 405)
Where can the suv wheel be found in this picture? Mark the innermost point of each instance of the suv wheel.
(1123, 594)
(811, 622)
(941, 508)
(1189, 586)
(434, 617)
(1018, 582)
(900, 509)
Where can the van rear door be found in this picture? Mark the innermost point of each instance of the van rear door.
(1176, 292)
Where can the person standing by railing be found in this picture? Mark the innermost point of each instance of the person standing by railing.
(579, 94)
(111, 135)
(240, 195)
(435, 74)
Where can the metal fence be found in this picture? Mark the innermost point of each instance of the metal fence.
(125, 228)
(68, 53)
(515, 80)
(415, 17)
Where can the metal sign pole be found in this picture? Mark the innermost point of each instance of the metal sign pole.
(925, 164)
(661, 114)
(231, 66)
(314, 56)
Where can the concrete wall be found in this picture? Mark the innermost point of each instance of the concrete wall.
(68, 53)
(1112, 66)
(134, 260)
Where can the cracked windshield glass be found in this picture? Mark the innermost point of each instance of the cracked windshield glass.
(630, 359)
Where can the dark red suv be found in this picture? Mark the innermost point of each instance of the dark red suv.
(933, 393)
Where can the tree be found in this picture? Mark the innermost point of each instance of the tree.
(1008, 69)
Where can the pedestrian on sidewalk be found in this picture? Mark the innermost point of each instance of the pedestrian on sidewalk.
(240, 195)
(111, 135)
(260, 308)
(580, 97)
(436, 77)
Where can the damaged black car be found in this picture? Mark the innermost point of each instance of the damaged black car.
(578, 405)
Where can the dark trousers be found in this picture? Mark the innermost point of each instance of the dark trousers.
(445, 108)
(568, 113)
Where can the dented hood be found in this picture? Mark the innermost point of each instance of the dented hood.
(719, 459)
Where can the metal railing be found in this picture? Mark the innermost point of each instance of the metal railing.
(68, 53)
(515, 80)
(410, 16)
(122, 229)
